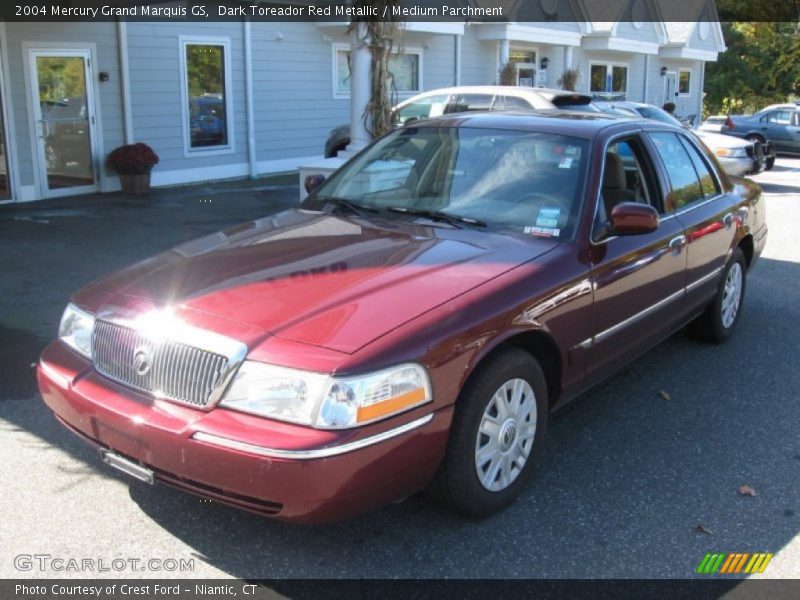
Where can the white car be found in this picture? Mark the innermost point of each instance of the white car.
(738, 157)
(714, 123)
(471, 98)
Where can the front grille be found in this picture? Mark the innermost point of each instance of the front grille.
(166, 368)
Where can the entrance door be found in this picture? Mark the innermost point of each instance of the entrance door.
(526, 74)
(670, 80)
(63, 112)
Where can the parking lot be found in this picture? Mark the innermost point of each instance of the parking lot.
(633, 482)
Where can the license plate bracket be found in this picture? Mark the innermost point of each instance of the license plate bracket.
(120, 463)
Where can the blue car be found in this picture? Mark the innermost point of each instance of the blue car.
(207, 122)
(779, 125)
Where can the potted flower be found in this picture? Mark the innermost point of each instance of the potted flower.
(133, 163)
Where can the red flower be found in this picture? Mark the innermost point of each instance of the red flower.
(133, 159)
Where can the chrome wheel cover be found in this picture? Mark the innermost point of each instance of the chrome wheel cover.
(505, 435)
(732, 295)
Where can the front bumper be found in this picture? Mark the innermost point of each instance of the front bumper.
(275, 469)
(739, 167)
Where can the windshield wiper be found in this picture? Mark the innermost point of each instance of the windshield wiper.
(438, 215)
(354, 207)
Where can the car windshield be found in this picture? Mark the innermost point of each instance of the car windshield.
(522, 181)
(658, 114)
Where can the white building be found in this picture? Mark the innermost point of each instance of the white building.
(221, 100)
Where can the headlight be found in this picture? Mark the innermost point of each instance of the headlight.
(323, 401)
(75, 330)
(731, 152)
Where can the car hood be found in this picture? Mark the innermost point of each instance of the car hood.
(718, 140)
(319, 279)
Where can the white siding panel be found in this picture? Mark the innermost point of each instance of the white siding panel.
(154, 53)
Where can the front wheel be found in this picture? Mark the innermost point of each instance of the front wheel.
(497, 433)
(719, 320)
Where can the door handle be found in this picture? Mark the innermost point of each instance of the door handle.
(727, 220)
(677, 243)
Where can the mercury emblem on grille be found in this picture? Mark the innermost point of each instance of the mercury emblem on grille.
(142, 360)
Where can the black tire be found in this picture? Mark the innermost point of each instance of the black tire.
(457, 485)
(711, 326)
(769, 162)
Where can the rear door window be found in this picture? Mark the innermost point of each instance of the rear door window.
(515, 102)
(708, 183)
(427, 106)
(690, 178)
(471, 102)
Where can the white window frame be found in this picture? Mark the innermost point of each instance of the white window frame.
(201, 40)
(678, 83)
(609, 67)
(337, 95)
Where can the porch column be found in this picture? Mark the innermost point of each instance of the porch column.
(360, 80)
(504, 51)
(567, 57)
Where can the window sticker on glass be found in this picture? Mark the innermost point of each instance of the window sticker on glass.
(543, 231)
(548, 217)
(565, 163)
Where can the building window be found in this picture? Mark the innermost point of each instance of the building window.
(205, 66)
(608, 78)
(406, 69)
(684, 82)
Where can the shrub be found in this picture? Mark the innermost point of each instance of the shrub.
(132, 159)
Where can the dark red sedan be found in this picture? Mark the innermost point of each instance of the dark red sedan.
(412, 324)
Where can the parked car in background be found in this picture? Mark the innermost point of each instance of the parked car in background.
(412, 324)
(65, 130)
(737, 157)
(779, 125)
(207, 121)
(713, 124)
(468, 99)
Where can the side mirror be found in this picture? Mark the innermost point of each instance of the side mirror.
(631, 218)
(312, 182)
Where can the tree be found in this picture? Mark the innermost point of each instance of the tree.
(761, 66)
(380, 36)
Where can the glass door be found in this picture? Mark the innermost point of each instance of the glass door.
(526, 74)
(64, 120)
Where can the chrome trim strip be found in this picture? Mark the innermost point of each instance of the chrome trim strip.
(638, 316)
(223, 442)
(703, 279)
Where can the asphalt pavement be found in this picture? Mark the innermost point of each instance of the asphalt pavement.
(631, 484)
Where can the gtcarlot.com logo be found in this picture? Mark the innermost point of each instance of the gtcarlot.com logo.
(48, 562)
(733, 563)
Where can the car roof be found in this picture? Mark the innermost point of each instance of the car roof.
(625, 103)
(566, 122)
(508, 90)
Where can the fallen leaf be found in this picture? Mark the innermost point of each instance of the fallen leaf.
(746, 490)
(664, 395)
(700, 529)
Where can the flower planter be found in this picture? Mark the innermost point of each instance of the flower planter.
(135, 184)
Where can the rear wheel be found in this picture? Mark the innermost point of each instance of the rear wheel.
(719, 320)
(497, 433)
